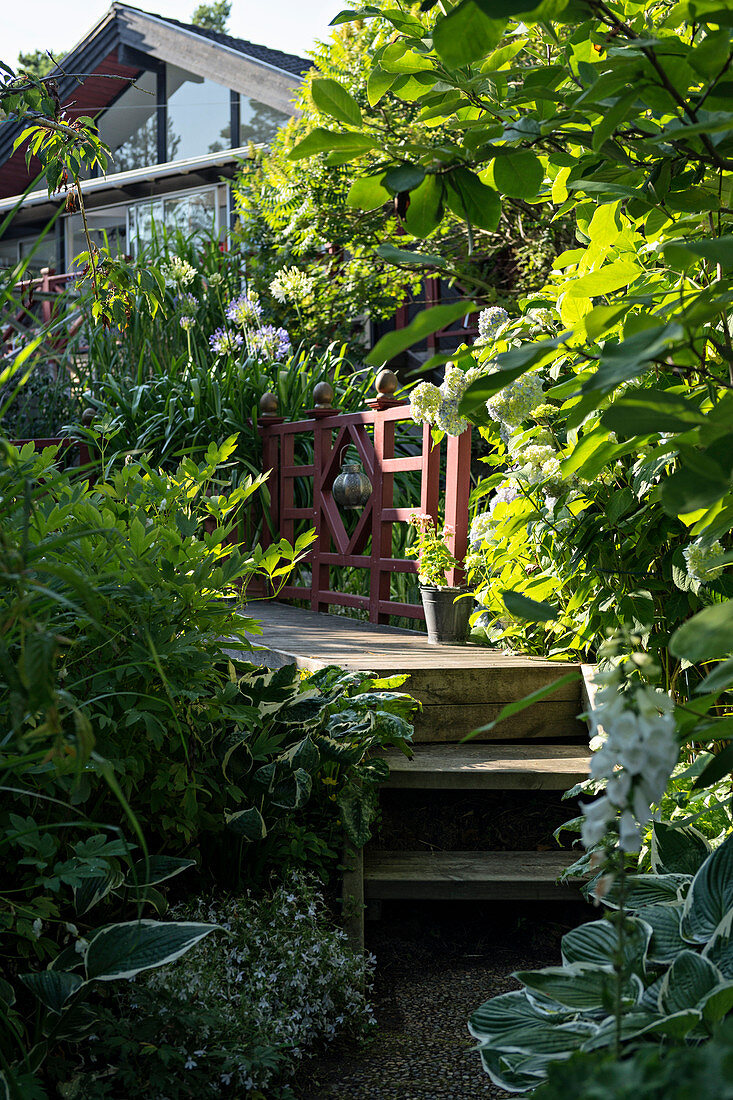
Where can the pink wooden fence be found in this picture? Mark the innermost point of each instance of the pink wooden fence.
(370, 545)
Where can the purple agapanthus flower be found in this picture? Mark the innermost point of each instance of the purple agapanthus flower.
(244, 311)
(269, 343)
(224, 342)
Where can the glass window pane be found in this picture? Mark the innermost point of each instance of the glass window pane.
(194, 213)
(258, 122)
(199, 115)
(129, 127)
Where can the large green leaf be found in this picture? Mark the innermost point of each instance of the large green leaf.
(710, 899)
(630, 358)
(52, 987)
(124, 950)
(525, 608)
(605, 280)
(324, 141)
(92, 890)
(642, 412)
(367, 193)
(426, 207)
(717, 768)
(707, 636)
(643, 890)
(518, 174)
(683, 252)
(426, 322)
(332, 99)
(466, 34)
(692, 487)
(413, 259)
(473, 200)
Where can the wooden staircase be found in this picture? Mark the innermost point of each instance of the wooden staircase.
(543, 748)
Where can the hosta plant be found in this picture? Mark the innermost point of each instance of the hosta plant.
(677, 953)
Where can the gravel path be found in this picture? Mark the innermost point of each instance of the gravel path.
(435, 965)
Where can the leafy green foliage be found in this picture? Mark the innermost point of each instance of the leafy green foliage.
(678, 974)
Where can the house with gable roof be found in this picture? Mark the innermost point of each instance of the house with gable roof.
(179, 107)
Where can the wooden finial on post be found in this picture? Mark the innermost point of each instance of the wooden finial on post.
(386, 384)
(323, 401)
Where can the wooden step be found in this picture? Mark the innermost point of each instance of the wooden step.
(467, 876)
(460, 687)
(489, 767)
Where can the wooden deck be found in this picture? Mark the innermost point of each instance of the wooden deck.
(460, 687)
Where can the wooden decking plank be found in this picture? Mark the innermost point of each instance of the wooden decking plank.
(479, 876)
(439, 674)
(489, 767)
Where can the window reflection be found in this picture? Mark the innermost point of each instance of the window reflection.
(199, 115)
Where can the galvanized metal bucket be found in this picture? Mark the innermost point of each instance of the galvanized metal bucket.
(446, 616)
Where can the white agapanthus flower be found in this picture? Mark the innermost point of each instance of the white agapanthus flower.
(635, 750)
(291, 285)
(490, 321)
(178, 272)
(703, 562)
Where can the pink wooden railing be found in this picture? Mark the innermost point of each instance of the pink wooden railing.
(22, 318)
(332, 433)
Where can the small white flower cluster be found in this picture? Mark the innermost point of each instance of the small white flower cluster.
(537, 461)
(285, 978)
(291, 285)
(178, 272)
(438, 405)
(490, 321)
(636, 749)
(517, 401)
(483, 524)
(704, 562)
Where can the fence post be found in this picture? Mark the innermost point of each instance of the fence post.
(271, 463)
(457, 492)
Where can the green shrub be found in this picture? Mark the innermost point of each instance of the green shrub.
(236, 1017)
(676, 960)
(685, 1073)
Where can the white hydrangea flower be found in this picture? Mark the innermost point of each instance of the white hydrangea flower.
(703, 561)
(481, 527)
(490, 321)
(517, 401)
(424, 402)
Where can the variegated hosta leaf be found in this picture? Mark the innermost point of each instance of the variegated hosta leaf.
(516, 1072)
(643, 890)
(511, 1023)
(678, 849)
(52, 987)
(633, 1024)
(689, 979)
(123, 950)
(719, 948)
(710, 899)
(581, 985)
(597, 941)
(666, 942)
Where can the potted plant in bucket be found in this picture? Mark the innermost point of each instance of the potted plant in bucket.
(447, 607)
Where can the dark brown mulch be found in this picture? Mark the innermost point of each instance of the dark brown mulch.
(436, 963)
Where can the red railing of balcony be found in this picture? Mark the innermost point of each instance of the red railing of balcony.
(370, 547)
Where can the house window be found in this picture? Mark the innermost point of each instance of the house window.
(199, 115)
(129, 127)
(258, 122)
(107, 229)
(191, 212)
